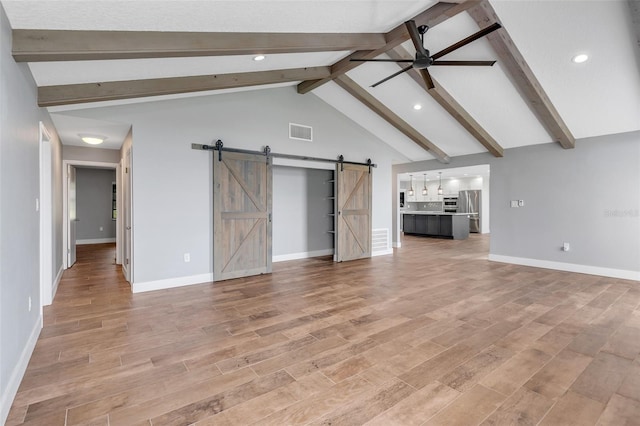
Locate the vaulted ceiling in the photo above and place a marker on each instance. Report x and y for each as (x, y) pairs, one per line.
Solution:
(84, 54)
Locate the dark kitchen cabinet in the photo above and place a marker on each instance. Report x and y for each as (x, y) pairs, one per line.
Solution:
(436, 225)
(409, 223)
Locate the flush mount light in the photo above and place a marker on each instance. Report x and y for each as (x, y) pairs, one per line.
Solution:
(580, 58)
(417, 107)
(92, 139)
(259, 58)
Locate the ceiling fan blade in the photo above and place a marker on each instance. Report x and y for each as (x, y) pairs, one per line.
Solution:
(392, 75)
(466, 63)
(415, 37)
(381, 60)
(483, 32)
(427, 78)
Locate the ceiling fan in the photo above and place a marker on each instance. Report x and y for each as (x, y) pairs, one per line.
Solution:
(424, 59)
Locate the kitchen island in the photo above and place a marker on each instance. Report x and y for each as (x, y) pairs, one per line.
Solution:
(436, 224)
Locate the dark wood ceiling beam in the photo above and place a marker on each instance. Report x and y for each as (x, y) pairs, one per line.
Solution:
(522, 76)
(433, 16)
(450, 105)
(115, 90)
(379, 108)
(61, 45)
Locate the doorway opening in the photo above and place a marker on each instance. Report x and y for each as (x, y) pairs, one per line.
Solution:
(90, 207)
(447, 193)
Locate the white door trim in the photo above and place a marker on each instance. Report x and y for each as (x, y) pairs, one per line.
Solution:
(65, 199)
(47, 289)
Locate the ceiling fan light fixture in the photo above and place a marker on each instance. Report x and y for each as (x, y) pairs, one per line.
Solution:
(580, 58)
(92, 139)
(259, 58)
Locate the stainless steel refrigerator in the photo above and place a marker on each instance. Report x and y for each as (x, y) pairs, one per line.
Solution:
(470, 202)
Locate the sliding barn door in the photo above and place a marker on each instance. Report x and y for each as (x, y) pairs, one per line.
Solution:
(241, 215)
(353, 198)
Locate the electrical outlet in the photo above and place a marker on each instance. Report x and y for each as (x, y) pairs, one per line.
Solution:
(566, 247)
(520, 203)
(29, 303)
(187, 257)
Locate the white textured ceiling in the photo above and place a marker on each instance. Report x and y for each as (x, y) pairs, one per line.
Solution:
(599, 97)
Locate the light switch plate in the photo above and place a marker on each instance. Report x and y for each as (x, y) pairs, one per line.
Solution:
(514, 203)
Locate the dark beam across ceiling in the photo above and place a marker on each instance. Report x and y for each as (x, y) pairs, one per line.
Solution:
(392, 118)
(522, 76)
(62, 45)
(115, 90)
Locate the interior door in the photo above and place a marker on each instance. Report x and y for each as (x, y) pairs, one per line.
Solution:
(241, 215)
(127, 198)
(353, 196)
(71, 209)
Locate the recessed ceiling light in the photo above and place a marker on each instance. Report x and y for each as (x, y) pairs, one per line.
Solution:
(578, 59)
(417, 107)
(92, 139)
(259, 57)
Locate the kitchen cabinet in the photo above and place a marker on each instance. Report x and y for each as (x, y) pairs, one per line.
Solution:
(451, 225)
(409, 223)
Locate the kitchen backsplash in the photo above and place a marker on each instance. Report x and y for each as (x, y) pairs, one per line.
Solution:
(427, 206)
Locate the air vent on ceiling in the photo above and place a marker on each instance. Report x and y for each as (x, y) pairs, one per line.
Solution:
(300, 132)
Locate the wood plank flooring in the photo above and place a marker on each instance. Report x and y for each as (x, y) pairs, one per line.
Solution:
(432, 335)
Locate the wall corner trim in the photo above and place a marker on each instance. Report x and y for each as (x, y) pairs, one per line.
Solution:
(17, 374)
(56, 283)
(171, 283)
(568, 267)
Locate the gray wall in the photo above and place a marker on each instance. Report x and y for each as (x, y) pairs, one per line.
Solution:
(19, 220)
(301, 210)
(588, 196)
(94, 195)
(172, 182)
(82, 153)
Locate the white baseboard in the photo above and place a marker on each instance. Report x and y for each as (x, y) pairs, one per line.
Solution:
(18, 372)
(302, 255)
(397, 244)
(95, 241)
(171, 283)
(568, 267)
(382, 252)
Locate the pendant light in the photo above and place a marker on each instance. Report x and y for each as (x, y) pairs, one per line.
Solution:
(411, 188)
(440, 184)
(424, 189)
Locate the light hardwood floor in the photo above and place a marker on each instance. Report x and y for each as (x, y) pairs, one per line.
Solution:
(434, 334)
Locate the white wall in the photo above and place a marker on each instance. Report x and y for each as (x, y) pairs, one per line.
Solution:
(588, 196)
(19, 220)
(172, 183)
(93, 203)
